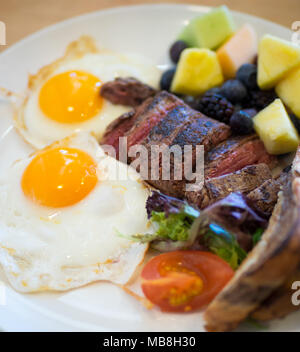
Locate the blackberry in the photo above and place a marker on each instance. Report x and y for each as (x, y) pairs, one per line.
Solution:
(216, 107)
(259, 99)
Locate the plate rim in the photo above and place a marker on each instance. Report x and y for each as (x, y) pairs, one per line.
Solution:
(109, 10)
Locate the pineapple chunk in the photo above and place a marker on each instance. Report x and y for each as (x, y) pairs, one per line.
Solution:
(289, 91)
(197, 71)
(275, 129)
(276, 58)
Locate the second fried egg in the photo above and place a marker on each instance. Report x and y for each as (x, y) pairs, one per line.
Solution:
(64, 97)
(63, 210)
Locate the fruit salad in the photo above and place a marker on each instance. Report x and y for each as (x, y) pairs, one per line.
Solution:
(226, 73)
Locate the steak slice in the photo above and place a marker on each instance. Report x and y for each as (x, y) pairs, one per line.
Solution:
(181, 126)
(120, 126)
(244, 181)
(117, 129)
(151, 113)
(236, 153)
(267, 267)
(265, 196)
(126, 91)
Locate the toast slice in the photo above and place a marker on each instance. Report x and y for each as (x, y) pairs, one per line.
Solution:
(279, 303)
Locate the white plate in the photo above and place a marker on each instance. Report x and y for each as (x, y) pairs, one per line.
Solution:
(149, 30)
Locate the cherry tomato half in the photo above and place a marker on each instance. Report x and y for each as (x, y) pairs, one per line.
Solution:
(184, 281)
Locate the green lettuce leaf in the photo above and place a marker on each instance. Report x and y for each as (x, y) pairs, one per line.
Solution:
(257, 236)
(223, 244)
(174, 227)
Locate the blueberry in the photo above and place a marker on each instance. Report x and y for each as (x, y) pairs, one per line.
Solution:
(234, 91)
(251, 112)
(241, 123)
(166, 79)
(296, 122)
(247, 74)
(176, 49)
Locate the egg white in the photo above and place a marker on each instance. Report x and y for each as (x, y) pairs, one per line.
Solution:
(39, 130)
(58, 249)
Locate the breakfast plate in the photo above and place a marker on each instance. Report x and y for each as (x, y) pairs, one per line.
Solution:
(146, 30)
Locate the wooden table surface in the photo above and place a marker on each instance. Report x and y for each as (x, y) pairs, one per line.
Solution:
(23, 17)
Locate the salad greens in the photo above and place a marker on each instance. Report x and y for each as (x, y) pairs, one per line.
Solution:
(224, 244)
(178, 225)
(257, 236)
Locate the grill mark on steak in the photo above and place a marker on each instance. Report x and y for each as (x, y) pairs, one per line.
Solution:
(236, 153)
(202, 130)
(153, 112)
(265, 196)
(244, 181)
(126, 91)
(169, 126)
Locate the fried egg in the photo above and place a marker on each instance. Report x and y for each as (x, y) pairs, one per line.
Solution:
(64, 97)
(63, 212)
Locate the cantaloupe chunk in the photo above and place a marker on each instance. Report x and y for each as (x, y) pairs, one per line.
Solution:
(288, 90)
(209, 30)
(241, 48)
(197, 71)
(276, 58)
(275, 129)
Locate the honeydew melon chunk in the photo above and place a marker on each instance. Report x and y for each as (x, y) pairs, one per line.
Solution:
(288, 90)
(209, 30)
(187, 35)
(197, 71)
(276, 58)
(241, 48)
(275, 129)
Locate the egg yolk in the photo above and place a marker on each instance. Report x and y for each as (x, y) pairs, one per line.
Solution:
(71, 97)
(59, 177)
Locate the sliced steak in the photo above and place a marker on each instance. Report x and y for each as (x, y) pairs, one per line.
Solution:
(268, 265)
(126, 91)
(181, 126)
(244, 181)
(236, 153)
(265, 196)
